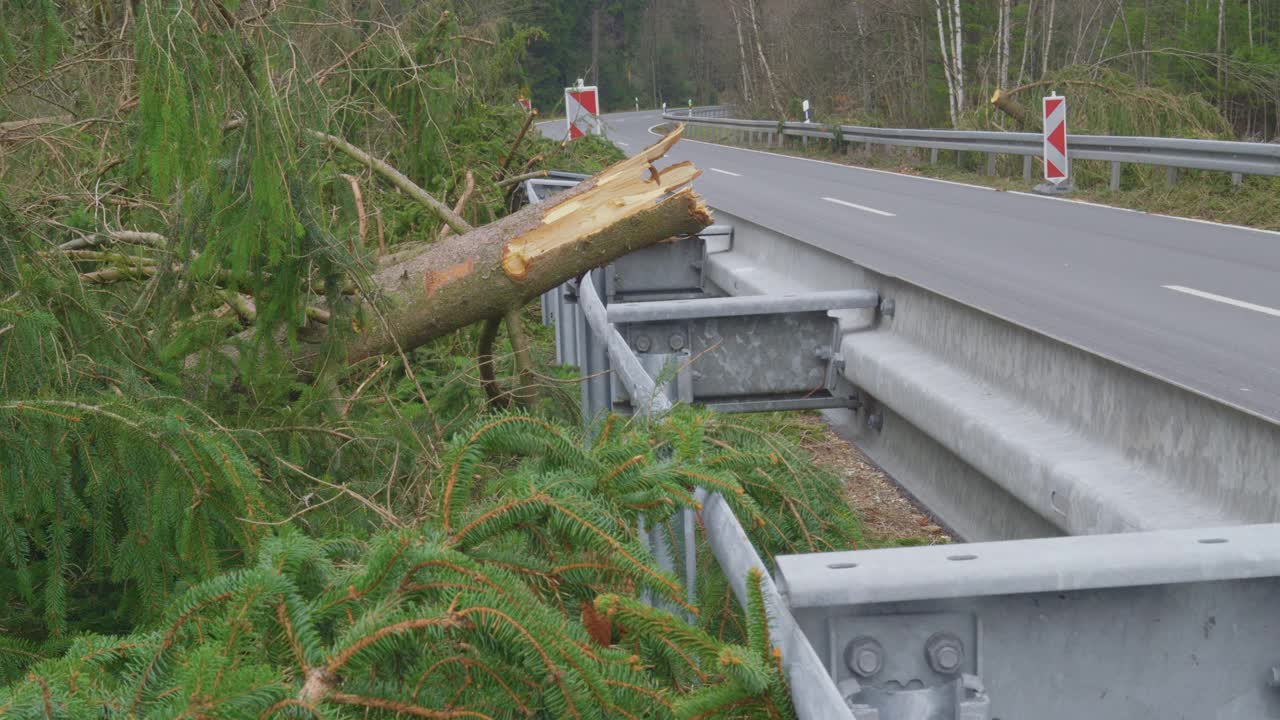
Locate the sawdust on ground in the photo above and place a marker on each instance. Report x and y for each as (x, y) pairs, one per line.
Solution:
(889, 516)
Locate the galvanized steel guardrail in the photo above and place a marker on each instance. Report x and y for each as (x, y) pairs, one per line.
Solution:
(1237, 158)
(1165, 606)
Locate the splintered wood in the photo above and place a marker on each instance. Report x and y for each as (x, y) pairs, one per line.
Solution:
(617, 194)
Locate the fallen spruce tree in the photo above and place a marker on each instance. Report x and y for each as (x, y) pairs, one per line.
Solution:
(337, 523)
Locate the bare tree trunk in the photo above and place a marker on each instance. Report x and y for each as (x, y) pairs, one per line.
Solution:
(1249, 8)
(1222, 58)
(1002, 65)
(957, 53)
(595, 46)
(1026, 40)
(946, 64)
(742, 54)
(864, 74)
(484, 273)
(1048, 38)
(764, 62)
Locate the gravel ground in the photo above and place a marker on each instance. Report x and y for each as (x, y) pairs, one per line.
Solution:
(889, 516)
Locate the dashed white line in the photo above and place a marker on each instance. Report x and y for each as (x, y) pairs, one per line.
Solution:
(1225, 300)
(725, 172)
(863, 208)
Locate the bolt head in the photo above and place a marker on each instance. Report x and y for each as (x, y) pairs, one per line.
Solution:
(676, 341)
(643, 343)
(945, 653)
(864, 657)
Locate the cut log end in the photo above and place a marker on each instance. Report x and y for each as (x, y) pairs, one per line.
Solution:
(622, 192)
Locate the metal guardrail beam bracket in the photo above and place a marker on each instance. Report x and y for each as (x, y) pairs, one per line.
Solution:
(1162, 624)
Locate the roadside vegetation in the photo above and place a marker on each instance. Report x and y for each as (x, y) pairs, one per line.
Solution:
(197, 519)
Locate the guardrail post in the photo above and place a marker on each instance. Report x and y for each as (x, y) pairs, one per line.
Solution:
(1237, 179)
(991, 164)
(1171, 175)
(933, 156)
(594, 364)
(1026, 168)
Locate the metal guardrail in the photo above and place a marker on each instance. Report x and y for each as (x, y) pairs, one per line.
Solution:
(1163, 605)
(1237, 158)
(587, 337)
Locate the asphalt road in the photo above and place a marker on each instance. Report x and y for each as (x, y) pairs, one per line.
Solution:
(1194, 303)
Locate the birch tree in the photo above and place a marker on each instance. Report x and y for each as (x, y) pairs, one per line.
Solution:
(949, 32)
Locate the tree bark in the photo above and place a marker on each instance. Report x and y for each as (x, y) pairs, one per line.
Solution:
(742, 54)
(947, 68)
(1005, 103)
(764, 62)
(486, 272)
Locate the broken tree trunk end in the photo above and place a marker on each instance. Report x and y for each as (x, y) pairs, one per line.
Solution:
(486, 272)
(1005, 103)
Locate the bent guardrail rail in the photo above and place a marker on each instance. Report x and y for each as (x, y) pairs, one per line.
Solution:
(1237, 158)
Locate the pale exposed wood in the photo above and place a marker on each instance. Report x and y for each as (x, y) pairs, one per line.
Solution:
(1004, 102)
(363, 220)
(11, 126)
(508, 182)
(468, 187)
(130, 237)
(618, 193)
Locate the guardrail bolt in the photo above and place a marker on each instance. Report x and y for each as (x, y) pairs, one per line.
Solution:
(676, 341)
(864, 656)
(643, 343)
(945, 653)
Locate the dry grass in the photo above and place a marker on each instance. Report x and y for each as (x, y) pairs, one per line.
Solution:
(888, 516)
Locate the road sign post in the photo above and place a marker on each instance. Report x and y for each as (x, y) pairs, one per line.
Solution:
(807, 116)
(582, 110)
(1057, 167)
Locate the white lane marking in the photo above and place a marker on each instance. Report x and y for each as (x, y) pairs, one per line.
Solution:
(619, 142)
(725, 172)
(1144, 212)
(863, 208)
(1225, 300)
(828, 162)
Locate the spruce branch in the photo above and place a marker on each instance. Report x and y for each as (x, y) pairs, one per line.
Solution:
(395, 177)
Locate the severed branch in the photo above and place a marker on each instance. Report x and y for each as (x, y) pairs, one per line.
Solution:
(395, 177)
(515, 179)
(524, 130)
(525, 389)
(484, 360)
(468, 187)
(130, 237)
(363, 227)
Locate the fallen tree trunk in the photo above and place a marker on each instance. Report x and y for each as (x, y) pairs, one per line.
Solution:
(488, 271)
(1004, 102)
